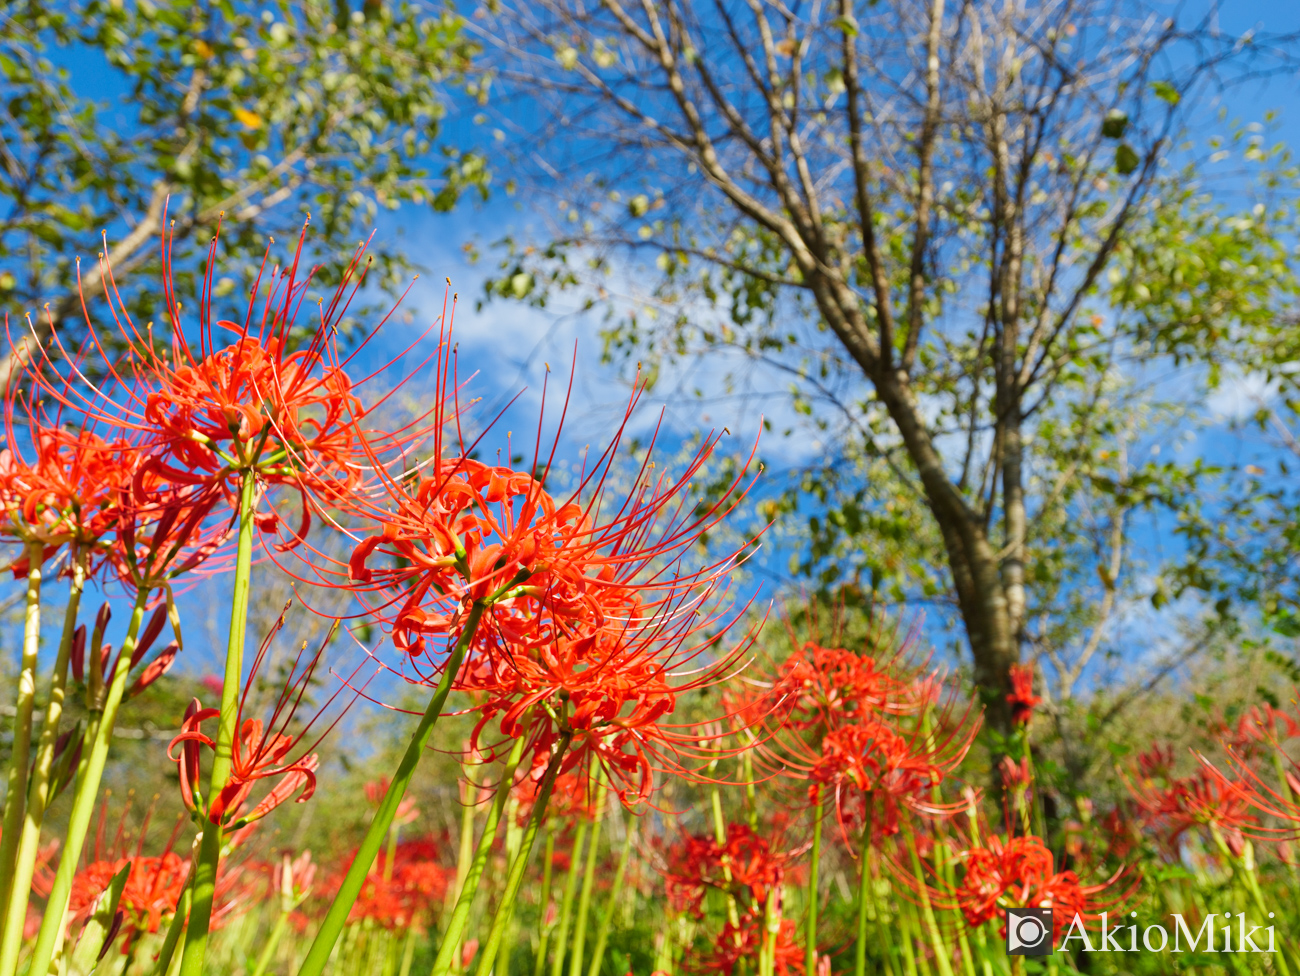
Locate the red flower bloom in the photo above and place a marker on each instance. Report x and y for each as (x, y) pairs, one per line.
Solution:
(243, 398)
(1206, 800)
(1018, 873)
(1022, 698)
(745, 942)
(261, 750)
(410, 890)
(744, 865)
(591, 625)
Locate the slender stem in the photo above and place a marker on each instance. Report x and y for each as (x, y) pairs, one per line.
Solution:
(864, 894)
(520, 863)
(465, 857)
(589, 879)
(810, 934)
(38, 791)
(451, 939)
(408, 952)
(20, 757)
(720, 836)
(94, 754)
(544, 934)
(941, 952)
(272, 943)
(174, 932)
(319, 953)
(607, 920)
(566, 902)
(205, 868)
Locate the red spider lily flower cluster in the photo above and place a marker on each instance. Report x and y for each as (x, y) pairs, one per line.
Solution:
(1206, 800)
(152, 889)
(742, 944)
(747, 867)
(1019, 873)
(874, 738)
(153, 885)
(592, 625)
(241, 397)
(409, 891)
(1156, 762)
(1022, 699)
(262, 750)
(1261, 728)
(744, 865)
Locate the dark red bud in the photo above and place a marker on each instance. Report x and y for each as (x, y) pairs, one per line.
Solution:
(151, 631)
(79, 654)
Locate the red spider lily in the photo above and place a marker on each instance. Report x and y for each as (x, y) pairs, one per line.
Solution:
(827, 687)
(261, 750)
(63, 487)
(1263, 725)
(467, 531)
(742, 944)
(1156, 762)
(241, 398)
(152, 888)
(1022, 699)
(609, 688)
(1207, 800)
(410, 890)
(886, 757)
(744, 865)
(163, 533)
(1019, 873)
(64, 494)
(1016, 776)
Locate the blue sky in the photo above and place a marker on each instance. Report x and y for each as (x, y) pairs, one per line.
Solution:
(509, 345)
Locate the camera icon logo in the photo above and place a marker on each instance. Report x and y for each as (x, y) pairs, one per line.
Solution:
(1029, 931)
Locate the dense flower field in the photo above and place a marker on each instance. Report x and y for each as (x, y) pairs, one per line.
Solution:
(654, 775)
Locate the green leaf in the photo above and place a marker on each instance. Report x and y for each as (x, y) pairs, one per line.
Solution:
(847, 25)
(1126, 160)
(1113, 126)
(1166, 92)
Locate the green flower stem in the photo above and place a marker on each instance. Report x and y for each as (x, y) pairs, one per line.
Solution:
(814, 862)
(408, 952)
(520, 863)
(864, 897)
(465, 856)
(771, 928)
(910, 967)
(589, 878)
(174, 932)
(38, 791)
(205, 868)
(607, 920)
(272, 943)
(20, 757)
(335, 919)
(566, 902)
(720, 836)
(94, 754)
(544, 933)
(941, 953)
(451, 939)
